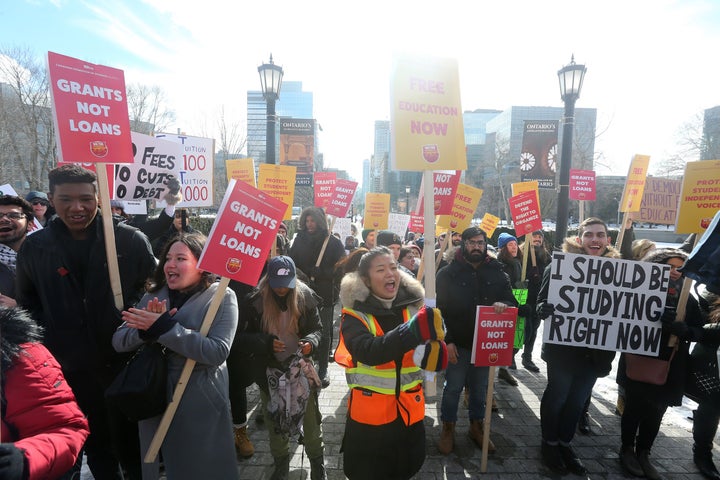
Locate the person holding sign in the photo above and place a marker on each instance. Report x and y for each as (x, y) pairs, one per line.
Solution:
(471, 278)
(646, 403)
(315, 252)
(511, 258)
(387, 335)
(63, 280)
(171, 314)
(571, 370)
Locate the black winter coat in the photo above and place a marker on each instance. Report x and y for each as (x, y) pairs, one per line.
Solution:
(305, 251)
(80, 318)
(258, 345)
(461, 288)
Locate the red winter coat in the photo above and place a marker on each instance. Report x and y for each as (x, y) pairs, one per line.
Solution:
(41, 417)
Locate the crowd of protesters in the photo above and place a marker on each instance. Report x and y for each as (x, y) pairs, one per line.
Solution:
(61, 321)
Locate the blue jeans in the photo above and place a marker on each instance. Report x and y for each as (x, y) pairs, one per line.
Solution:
(568, 388)
(457, 376)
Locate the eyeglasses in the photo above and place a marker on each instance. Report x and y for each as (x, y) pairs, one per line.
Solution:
(12, 215)
(39, 202)
(474, 243)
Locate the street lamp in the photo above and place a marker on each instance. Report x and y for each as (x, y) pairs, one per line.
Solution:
(407, 199)
(270, 80)
(571, 79)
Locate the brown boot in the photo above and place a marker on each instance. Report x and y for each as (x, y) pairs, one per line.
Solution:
(476, 435)
(243, 446)
(447, 438)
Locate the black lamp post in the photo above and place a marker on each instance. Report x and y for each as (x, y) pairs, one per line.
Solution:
(571, 79)
(407, 199)
(270, 80)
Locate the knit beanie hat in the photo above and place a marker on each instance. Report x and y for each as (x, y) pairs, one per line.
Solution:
(387, 238)
(365, 233)
(504, 239)
(431, 356)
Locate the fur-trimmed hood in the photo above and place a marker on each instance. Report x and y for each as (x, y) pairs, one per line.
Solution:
(353, 289)
(571, 245)
(17, 327)
(662, 255)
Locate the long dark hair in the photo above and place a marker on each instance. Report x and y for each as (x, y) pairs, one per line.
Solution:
(195, 241)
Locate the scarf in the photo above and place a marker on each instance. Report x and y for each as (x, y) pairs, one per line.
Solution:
(8, 257)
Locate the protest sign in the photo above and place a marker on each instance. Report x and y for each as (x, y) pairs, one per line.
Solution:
(279, 182)
(7, 191)
(635, 184)
(242, 169)
(342, 197)
(426, 115)
(196, 170)
(606, 303)
(659, 201)
(324, 188)
(90, 111)
(464, 205)
(445, 185)
(489, 223)
(377, 210)
(398, 223)
(582, 184)
(538, 159)
(243, 233)
(700, 197)
(156, 162)
(417, 223)
(341, 226)
(520, 295)
(525, 211)
(494, 334)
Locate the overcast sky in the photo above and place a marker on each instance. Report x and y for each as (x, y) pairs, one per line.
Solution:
(651, 64)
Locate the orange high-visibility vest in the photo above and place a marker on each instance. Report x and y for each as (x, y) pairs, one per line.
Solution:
(373, 396)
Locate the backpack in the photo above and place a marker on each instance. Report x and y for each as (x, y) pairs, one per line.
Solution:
(290, 389)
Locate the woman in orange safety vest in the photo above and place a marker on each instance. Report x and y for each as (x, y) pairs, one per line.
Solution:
(386, 336)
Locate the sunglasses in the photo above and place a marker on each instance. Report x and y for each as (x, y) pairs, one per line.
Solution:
(40, 202)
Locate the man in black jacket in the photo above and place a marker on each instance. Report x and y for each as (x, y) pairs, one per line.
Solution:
(63, 280)
(305, 252)
(472, 278)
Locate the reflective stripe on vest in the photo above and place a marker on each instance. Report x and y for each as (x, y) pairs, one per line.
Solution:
(381, 378)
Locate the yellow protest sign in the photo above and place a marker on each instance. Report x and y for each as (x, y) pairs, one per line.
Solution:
(426, 115)
(700, 196)
(377, 211)
(635, 184)
(489, 223)
(466, 201)
(241, 169)
(278, 181)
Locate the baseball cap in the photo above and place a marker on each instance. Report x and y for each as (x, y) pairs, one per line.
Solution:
(281, 272)
(35, 195)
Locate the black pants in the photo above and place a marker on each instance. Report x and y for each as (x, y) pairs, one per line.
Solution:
(239, 378)
(532, 323)
(323, 352)
(705, 426)
(641, 420)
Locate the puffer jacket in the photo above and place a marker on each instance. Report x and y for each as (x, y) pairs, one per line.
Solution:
(39, 412)
(461, 288)
(79, 316)
(599, 360)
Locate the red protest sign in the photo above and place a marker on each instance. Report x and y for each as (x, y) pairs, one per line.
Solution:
(324, 187)
(582, 184)
(445, 187)
(417, 223)
(494, 337)
(243, 232)
(525, 211)
(90, 111)
(341, 198)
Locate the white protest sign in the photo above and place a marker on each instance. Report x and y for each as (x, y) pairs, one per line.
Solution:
(155, 162)
(135, 207)
(8, 190)
(342, 228)
(196, 169)
(398, 223)
(606, 303)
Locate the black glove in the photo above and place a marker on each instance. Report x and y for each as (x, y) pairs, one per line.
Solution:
(12, 462)
(679, 329)
(546, 309)
(173, 185)
(524, 310)
(668, 316)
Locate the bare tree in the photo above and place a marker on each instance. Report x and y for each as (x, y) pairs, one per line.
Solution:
(230, 143)
(148, 109)
(27, 138)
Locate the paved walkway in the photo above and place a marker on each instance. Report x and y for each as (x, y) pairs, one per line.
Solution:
(515, 432)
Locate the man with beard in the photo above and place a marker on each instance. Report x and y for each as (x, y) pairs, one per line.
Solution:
(471, 278)
(305, 251)
(15, 217)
